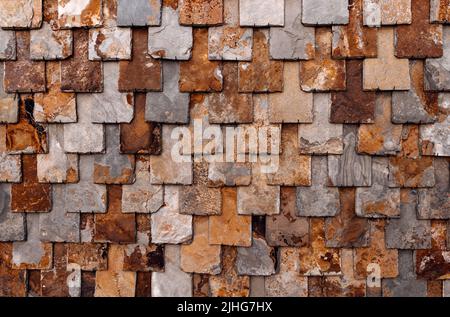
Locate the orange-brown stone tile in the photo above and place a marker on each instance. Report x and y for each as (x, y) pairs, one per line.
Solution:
(440, 11)
(261, 74)
(420, 39)
(140, 136)
(30, 196)
(200, 285)
(88, 256)
(199, 74)
(142, 73)
(78, 73)
(13, 282)
(143, 284)
(24, 75)
(323, 73)
(354, 40)
(201, 12)
(115, 226)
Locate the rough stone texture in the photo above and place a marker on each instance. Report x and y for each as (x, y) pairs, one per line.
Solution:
(113, 167)
(54, 106)
(168, 225)
(138, 12)
(320, 136)
(78, 73)
(378, 200)
(318, 200)
(324, 12)
(198, 198)
(434, 137)
(408, 169)
(408, 232)
(292, 105)
(84, 136)
(142, 73)
(21, 14)
(24, 75)
(229, 174)
(259, 259)
(286, 282)
(386, 12)
(317, 259)
(75, 13)
(115, 282)
(201, 12)
(354, 40)
(420, 39)
(115, 226)
(141, 196)
(7, 45)
(229, 41)
(8, 103)
(386, 72)
(110, 43)
(170, 40)
(353, 105)
(10, 168)
(434, 203)
(230, 228)
(287, 229)
(229, 283)
(173, 282)
(85, 196)
(434, 263)
(350, 169)
(165, 171)
(406, 284)
(170, 105)
(261, 74)
(293, 41)
(377, 253)
(415, 105)
(439, 11)
(437, 71)
(30, 196)
(56, 166)
(346, 230)
(382, 137)
(32, 254)
(88, 256)
(261, 13)
(200, 256)
(140, 136)
(323, 73)
(14, 281)
(199, 74)
(12, 225)
(47, 44)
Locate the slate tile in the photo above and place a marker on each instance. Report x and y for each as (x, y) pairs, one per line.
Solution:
(324, 12)
(12, 225)
(353, 105)
(261, 13)
(7, 45)
(78, 73)
(10, 165)
(229, 174)
(322, 73)
(143, 284)
(320, 136)
(73, 14)
(110, 43)
(115, 226)
(439, 11)
(138, 12)
(292, 105)
(434, 137)
(201, 12)
(437, 73)
(141, 196)
(21, 14)
(293, 41)
(30, 196)
(257, 260)
(87, 284)
(354, 40)
(200, 285)
(318, 200)
(170, 40)
(24, 75)
(261, 74)
(49, 44)
(386, 12)
(173, 282)
(199, 256)
(88, 256)
(142, 73)
(9, 109)
(386, 72)
(14, 282)
(420, 39)
(229, 41)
